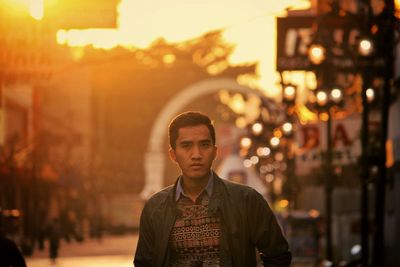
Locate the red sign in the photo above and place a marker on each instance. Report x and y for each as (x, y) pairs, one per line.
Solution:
(312, 140)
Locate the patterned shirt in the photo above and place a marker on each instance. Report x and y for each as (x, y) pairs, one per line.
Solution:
(195, 236)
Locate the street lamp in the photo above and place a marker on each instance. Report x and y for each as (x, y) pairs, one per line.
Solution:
(257, 128)
(370, 94)
(365, 47)
(327, 65)
(316, 54)
(324, 103)
(287, 128)
(245, 142)
(351, 47)
(289, 93)
(336, 95)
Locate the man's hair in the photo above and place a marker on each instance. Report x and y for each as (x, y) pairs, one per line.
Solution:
(187, 119)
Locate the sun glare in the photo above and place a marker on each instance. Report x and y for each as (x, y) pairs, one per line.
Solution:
(36, 8)
(249, 25)
(140, 22)
(99, 38)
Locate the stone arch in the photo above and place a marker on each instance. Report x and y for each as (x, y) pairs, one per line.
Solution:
(155, 157)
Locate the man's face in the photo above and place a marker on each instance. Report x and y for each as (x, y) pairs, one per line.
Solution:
(194, 152)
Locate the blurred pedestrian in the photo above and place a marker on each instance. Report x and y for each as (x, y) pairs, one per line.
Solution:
(10, 255)
(203, 220)
(54, 233)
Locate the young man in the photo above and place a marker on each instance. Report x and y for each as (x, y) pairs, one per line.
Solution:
(203, 220)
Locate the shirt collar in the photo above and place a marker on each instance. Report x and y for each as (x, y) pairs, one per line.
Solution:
(209, 187)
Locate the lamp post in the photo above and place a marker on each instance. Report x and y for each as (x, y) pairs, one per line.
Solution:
(323, 104)
(361, 49)
(326, 101)
(388, 39)
(289, 96)
(365, 48)
(352, 46)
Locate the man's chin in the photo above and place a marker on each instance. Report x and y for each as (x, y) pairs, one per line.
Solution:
(197, 175)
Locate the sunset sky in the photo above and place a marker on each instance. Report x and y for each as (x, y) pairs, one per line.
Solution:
(250, 25)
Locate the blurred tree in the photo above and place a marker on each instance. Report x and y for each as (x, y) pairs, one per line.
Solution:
(131, 86)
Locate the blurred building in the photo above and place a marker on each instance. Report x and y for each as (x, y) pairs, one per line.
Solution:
(45, 113)
(297, 32)
(25, 62)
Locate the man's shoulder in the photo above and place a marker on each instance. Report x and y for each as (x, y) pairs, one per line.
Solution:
(237, 188)
(6, 243)
(161, 195)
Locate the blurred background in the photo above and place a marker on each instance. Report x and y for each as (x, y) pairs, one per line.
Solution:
(303, 94)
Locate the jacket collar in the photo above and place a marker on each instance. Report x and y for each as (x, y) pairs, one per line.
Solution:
(209, 187)
(218, 191)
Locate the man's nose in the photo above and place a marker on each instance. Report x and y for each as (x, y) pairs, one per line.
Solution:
(196, 152)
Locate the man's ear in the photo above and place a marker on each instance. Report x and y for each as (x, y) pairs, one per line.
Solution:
(172, 154)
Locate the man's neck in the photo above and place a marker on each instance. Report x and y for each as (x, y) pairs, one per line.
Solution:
(193, 188)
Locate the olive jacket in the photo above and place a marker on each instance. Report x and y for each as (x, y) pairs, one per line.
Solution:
(247, 224)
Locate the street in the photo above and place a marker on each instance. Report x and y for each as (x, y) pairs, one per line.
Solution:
(88, 261)
(109, 251)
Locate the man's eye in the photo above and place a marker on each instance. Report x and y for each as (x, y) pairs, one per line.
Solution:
(206, 145)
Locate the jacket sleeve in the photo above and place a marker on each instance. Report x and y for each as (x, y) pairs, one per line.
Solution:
(16, 255)
(144, 250)
(266, 233)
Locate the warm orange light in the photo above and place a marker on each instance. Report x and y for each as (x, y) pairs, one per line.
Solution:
(336, 95)
(139, 25)
(316, 54)
(322, 98)
(324, 116)
(397, 8)
(284, 203)
(287, 127)
(277, 133)
(169, 59)
(279, 156)
(254, 160)
(241, 122)
(370, 95)
(238, 104)
(263, 151)
(247, 163)
(314, 213)
(305, 115)
(257, 128)
(215, 69)
(36, 9)
(245, 142)
(100, 38)
(365, 47)
(269, 178)
(224, 97)
(289, 92)
(11, 213)
(62, 37)
(274, 141)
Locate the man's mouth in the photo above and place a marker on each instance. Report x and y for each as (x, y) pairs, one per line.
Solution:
(196, 165)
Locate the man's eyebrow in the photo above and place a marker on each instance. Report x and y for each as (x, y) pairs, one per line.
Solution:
(185, 142)
(200, 141)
